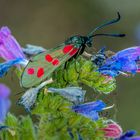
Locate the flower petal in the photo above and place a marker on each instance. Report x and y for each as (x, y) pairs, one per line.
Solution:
(4, 91)
(90, 110)
(73, 94)
(28, 99)
(96, 106)
(128, 136)
(112, 131)
(9, 47)
(4, 67)
(124, 61)
(4, 102)
(33, 50)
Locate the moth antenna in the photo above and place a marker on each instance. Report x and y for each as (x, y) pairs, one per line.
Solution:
(105, 24)
(109, 35)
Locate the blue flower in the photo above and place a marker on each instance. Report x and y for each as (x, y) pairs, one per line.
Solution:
(129, 135)
(29, 97)
(90, 110)
(31, 50)
(73, 94)
(4, 67)
(3, 127)
(4, 102)
(123, 62)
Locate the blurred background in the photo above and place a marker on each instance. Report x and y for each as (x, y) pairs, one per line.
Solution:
(49, 22)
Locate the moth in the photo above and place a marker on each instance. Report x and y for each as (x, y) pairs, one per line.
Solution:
(41, 66)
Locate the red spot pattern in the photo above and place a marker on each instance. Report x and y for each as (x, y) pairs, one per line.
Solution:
(40, 72)
(73, 52)
(30, 71)
(67, 49)
(55, 62)
(48, 58)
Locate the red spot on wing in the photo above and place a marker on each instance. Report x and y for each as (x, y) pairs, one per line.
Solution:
(73, 52)
(40, 72)
(48, 58)
(30, 71)
(67, 49)
(55, 62)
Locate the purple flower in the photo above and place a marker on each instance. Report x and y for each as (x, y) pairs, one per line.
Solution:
(129, 135)
(9, 47)
(90, 110)
(10, 51)
(4, 102)
(124, 61)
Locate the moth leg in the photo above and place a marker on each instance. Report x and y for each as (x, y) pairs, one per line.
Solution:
(77, 55)
(65, 70)
(75, 65)
(77, 69)
(65, 65)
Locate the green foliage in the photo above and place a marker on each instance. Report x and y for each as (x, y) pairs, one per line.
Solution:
(18, 129)
(12, 133)
(83, 71)
(27, 129)
(57, 119)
